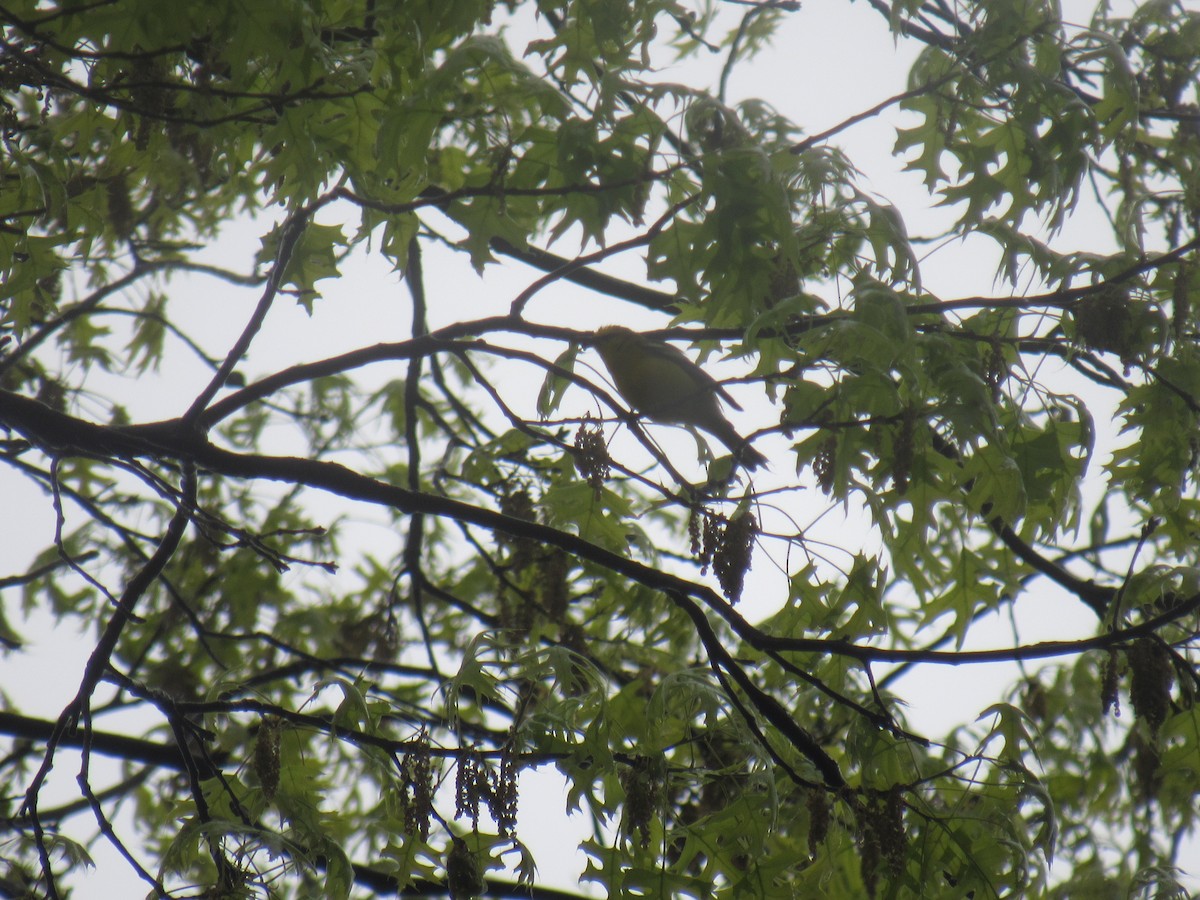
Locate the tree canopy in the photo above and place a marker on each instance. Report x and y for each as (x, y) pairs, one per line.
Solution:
(332, 516)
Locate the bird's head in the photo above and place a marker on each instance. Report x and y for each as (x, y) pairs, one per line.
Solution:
(614, 334)
(615, 342)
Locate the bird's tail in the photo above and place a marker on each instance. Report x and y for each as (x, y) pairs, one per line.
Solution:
(751, 458)
(739, 446)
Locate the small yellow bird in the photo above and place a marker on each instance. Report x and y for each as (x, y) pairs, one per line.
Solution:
(663, 384)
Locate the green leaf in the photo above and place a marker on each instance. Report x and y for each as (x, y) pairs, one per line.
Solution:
(554, 386)
(314, 256)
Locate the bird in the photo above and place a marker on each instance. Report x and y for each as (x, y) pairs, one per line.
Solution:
(662, 383)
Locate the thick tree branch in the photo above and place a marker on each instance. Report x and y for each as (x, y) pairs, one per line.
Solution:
(57, 430)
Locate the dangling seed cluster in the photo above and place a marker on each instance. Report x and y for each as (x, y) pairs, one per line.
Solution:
(591, 455)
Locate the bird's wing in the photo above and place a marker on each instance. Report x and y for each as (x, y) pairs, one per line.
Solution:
(681, 359)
